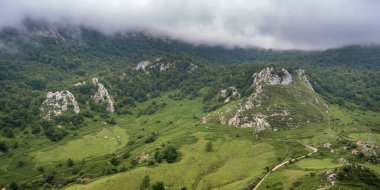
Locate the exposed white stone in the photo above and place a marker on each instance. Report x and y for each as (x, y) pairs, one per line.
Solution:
(234, 121)
(58, 102)
(204, 120)
(80, 83)
(123, 76)
(331, 177)
(261, 123)
(193, 67)
(58, 38)
(102, 96)
(162, 66)
(222, 120)
(269, 76)
(142, 65)
(224, 93)
(341, 160)
(281, 113)
(304, 79)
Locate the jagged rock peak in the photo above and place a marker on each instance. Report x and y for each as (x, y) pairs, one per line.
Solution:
(58, 102)
(273, 76)
(102, 96)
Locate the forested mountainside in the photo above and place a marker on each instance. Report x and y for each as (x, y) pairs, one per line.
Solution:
(56, 82)
(59, 56)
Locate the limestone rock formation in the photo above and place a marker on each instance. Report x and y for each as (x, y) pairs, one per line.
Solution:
(304, 78)
(270, 76)
(277, 98)
(162, 65)
(229, 93)
(58, 102)
(80, 83)
(267, 76)
(102, 96)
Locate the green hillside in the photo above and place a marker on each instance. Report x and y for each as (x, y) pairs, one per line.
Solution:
(84, 110)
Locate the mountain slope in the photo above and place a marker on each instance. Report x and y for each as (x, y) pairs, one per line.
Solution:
(280, 100)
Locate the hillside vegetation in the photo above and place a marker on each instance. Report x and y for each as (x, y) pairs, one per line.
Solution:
(83, 110)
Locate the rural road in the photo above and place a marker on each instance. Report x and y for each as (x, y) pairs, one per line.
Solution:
(283, 163)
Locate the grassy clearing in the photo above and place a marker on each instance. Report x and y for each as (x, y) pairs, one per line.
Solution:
(106, 141)
(315, 164)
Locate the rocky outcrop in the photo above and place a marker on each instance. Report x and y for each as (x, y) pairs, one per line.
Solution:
(58, 102)
(51, 35)
(161, 65)
(279, 98)
(304, 79)
(102, 96)
(267, 76)
(80, 83)
(142, 65)
(261, 123)
(229, 93)
(272, 77)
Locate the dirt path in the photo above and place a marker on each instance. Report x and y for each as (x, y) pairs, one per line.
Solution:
(283, 163)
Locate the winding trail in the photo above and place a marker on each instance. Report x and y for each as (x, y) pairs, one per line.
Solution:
(283, 163)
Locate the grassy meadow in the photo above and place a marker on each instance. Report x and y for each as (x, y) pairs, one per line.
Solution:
(236, 160)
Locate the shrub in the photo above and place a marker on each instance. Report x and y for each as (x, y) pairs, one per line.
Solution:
(41, 169)
(3, 147)
(159, 186)
(20, 164)
(145, 183)
(134, 162)
(158, 157)
(208, 146)
(126, 155)
(152, 137)
(170, 154)
(70, 162)
(114, 161)
(13, 186)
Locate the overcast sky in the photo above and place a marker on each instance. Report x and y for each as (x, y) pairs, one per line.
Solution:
(278, 24)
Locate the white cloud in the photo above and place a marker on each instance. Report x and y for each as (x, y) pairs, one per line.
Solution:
(282, 24)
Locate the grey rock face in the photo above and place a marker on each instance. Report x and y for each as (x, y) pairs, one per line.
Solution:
(58, 102)
(102, 96)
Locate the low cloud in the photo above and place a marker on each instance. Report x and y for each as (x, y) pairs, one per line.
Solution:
(277, 24)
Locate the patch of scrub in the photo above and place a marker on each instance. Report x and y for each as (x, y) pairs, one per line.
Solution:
(106, 141)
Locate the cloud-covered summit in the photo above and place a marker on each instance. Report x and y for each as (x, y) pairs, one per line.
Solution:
(277, 24)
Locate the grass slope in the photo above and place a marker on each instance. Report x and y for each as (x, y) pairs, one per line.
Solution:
(106, 141)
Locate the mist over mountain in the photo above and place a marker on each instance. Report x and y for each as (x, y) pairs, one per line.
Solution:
(271, 24)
